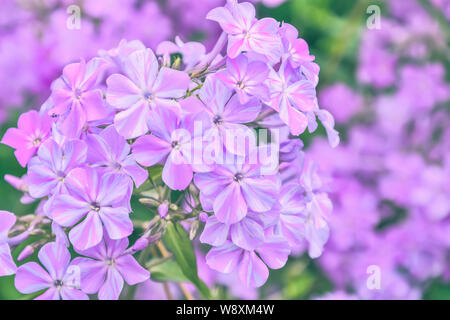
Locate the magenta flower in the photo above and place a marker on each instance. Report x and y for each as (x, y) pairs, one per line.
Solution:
(7, 265)
(296, 49)
(234, 189)
(101, 199)
(48, 171)
(107, 266)
(227, 114)
(251, 268)
(172, 142)
(247, 79)
(245, 32)
(291, 97)
(76, 98)
(58, 278)
(110, 150)
(32, 129)
(144, 87)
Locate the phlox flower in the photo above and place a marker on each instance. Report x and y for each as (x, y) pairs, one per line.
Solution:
(58, 279)
(144, 87)
(227, 114)
(245, 32)
(101, 199)
(7, 265)
(173, 142)
(232, 189)
(251, 265)
(294, 99)
(75, 96)
(110, 150)
(297, 49)
(246, 78)
(105, 267)
(32, 130)
(48, 171)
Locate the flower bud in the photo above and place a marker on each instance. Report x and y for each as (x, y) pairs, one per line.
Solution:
(163, 208)
(149, 202)
(194, 229)
(203, 216)
(140, 244)
(26, 252)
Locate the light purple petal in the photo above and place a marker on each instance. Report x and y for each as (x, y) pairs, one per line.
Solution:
(132, 122)
(252, 271)
(229, 205)
(66, 210)
(224, 258)
(177, 173)
(149, 150)
(72, 294)
(117, 222)
(7, 265)
(55, 257)
(93, 274)
(31, 277)
(260, 194)
(112, 287)
(247, 234)
(274, 252)
(130, 270)
(215, 232)
(88, 233)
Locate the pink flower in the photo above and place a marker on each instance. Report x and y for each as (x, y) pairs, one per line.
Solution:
(172, 142)
(293, 98)
(297, 49)
(247, 79)
(144, 87)
(48, 171)
(58, 279)
(245, 32)
(231, 190)
(32, 130)
(102, 200)
(110, 150)
(75, 97)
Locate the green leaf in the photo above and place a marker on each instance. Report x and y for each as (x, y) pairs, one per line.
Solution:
(177, 241)
(168, 271)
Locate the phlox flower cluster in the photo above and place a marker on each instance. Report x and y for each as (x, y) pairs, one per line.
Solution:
(174, 127)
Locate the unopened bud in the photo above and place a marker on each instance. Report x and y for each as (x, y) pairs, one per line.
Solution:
(163, 209)
(149, 202)
(26, 252)
(176, 64)
(194, 229)
(203, 216)
(140, 244)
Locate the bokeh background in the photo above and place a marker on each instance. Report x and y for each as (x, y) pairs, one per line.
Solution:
(385, 78)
